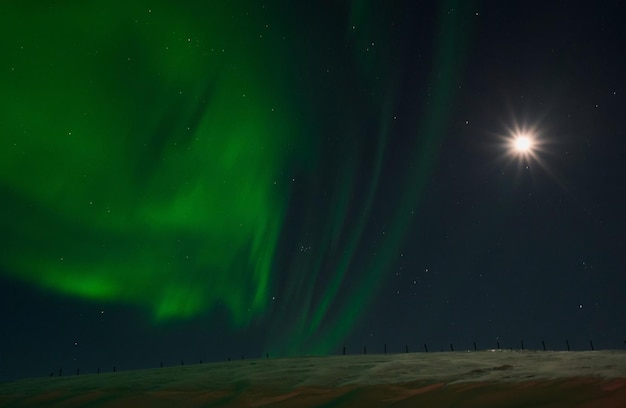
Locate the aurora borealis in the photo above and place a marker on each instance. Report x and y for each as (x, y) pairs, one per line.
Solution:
(161, 151)
(166, 182)
(287, 170)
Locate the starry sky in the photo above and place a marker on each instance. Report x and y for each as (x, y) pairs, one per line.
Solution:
(199, 180)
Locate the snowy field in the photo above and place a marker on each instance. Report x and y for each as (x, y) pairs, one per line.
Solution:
(455, 379)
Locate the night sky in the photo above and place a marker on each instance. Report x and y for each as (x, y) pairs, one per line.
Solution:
(199, 180)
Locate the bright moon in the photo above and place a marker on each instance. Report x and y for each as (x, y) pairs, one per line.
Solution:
(523, 143)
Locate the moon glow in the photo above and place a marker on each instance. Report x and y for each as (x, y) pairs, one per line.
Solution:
(523, 143)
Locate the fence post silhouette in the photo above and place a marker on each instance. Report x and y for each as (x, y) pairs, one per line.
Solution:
(343, 351)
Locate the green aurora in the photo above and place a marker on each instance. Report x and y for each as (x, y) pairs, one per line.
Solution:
(152, 155)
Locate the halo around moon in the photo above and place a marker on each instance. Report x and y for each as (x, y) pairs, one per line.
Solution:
(522, 143)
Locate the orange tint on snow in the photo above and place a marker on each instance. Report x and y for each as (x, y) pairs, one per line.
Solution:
(484, 379)
(576, 392)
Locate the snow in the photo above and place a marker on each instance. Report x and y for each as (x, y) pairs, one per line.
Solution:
(455, 379)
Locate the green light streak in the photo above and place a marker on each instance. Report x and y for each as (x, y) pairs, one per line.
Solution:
(446, 71)
(335, 315)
